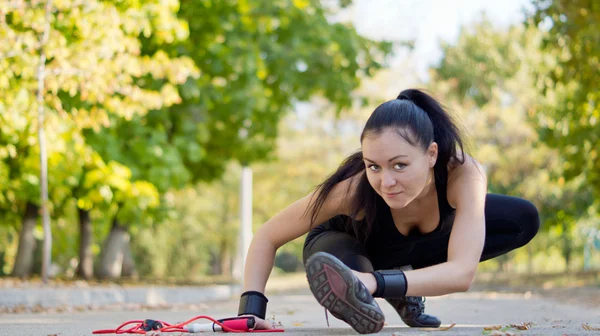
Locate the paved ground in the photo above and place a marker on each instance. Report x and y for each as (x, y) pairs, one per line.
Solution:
(301, 315)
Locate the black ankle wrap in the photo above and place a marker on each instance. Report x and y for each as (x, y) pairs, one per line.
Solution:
(390, 284)
(253, 303)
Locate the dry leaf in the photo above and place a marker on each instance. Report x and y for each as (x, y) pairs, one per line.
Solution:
(522, 326)
(440, 328)
(297, 324)
(589, 327)
(495, 327)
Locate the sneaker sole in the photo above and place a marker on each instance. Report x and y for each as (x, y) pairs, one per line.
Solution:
(414, 324)
(333, 283)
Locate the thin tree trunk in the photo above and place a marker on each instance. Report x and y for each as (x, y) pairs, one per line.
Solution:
(215, 262)
(86, 239)
(567, 246)
(129, 269)
(530, 259)
(113, 252)
(226, 258)
(24, 260)
(47, 252)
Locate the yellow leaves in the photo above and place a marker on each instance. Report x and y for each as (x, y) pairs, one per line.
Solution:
(170, 95)
(219, 81)
(146, 193)
(301, 4)
(8, 151)
(244, 7)
(261, 74)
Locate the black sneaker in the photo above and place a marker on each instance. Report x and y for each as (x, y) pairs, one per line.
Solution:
(412, 311)
(338, 290)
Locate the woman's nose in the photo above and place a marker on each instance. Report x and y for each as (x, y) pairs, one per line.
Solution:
(388, 180)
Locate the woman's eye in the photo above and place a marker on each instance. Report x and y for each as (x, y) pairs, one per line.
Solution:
(374, 167)
(399, 166)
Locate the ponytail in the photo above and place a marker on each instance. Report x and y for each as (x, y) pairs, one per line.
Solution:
(445, 132)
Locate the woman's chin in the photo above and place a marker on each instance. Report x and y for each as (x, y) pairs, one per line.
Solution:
(396, 203)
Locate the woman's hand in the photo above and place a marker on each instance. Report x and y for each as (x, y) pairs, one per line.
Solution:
(261, 324)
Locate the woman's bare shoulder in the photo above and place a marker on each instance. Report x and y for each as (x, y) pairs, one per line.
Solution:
(462, 174)
(344, 192)
(463, 163)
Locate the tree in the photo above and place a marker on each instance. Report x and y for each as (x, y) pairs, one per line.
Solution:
(570, 120)
(232, 110)
(94, 70)
(489, 75)
(258, 58)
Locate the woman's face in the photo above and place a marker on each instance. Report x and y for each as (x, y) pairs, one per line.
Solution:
(397, 170)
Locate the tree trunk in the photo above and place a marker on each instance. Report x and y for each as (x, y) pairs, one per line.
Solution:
(567, 247)
(529, 259)
(85, 269)
(113, 252)
(24, 260)
(215, 262)
(502, 263)
(129, 269)
(226, 258)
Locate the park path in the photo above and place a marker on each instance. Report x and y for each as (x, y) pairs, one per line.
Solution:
(301, 315)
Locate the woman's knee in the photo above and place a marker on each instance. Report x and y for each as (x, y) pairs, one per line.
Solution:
(341, 245)
(529, 221)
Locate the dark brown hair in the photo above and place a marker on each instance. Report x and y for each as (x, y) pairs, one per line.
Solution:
(418, 118)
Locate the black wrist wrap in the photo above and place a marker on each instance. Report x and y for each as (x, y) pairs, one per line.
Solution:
(390, 284)
(253, 303)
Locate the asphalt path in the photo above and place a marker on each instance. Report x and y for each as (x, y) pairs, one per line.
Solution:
(299, 314)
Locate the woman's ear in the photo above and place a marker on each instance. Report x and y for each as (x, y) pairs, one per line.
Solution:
(432, 153)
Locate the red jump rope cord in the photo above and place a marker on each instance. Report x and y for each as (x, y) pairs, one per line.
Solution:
(137, 329)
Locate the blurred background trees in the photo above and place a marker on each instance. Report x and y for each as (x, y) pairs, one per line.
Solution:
(152, 107)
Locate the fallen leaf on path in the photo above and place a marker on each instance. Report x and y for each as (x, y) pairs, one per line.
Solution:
(522, 326)
(589, 327)
(440, 328)
(297, 324)
(495, 327)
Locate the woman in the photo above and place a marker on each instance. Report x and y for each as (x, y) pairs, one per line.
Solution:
(411, 205)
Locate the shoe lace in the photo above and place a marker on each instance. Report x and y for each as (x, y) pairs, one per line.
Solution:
(327, 317)
(416, 304)
(422, 303)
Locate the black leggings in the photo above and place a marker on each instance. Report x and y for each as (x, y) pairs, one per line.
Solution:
(510, 223)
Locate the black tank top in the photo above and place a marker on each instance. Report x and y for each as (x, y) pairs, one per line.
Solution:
(385, 241)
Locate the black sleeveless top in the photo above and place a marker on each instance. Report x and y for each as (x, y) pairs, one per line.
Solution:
(384, 243)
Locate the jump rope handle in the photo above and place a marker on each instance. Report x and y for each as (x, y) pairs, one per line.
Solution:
(244, 324)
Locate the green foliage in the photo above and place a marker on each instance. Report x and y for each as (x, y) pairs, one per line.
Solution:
(146, 97)
(257, 59)
(492, 74)
(94, 69)
(570, 120)
(489, 73)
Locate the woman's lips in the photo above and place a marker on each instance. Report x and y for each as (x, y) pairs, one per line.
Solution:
(392, 195)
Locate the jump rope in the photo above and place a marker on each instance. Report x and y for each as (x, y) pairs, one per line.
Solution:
(234, 324)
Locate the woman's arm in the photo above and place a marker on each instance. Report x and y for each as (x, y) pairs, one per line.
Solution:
(467, 188)
(286, 226)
